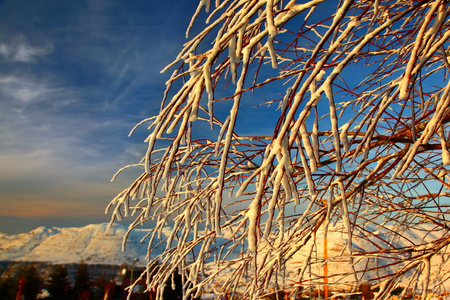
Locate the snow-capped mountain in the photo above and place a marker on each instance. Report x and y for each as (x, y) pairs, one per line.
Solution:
(101, 244)
(93, 244)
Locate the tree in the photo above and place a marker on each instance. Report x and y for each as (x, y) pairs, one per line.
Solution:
(32, 281)
(81, 285)
(326, 118)
(58, 284)
(8, 288)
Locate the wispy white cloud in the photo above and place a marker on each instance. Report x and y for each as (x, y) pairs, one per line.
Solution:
(21, 91)
(20, 50)
(73, 82)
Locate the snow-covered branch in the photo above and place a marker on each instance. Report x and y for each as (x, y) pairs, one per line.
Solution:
(350, 168)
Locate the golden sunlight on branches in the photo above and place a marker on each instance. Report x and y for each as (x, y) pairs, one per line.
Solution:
(287, 121)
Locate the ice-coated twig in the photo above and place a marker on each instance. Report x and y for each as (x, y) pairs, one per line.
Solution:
(355, 150)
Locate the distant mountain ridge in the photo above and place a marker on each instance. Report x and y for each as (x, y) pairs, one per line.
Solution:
(93, 244)
(99, 244)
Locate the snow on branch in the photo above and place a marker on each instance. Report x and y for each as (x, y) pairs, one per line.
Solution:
(342, 184)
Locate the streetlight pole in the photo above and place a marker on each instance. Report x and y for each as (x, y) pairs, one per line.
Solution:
(325, 257)
(325, 266)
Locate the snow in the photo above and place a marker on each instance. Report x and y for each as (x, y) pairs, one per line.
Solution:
(445, 157)
(233, 58)
(445, 151)
(101, 244)
(93, 244)
(252, 215)
(341, 265)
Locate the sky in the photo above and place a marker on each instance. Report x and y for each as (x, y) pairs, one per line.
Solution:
(75, 77)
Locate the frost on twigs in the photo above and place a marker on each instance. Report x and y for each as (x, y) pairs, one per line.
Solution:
(249, 198)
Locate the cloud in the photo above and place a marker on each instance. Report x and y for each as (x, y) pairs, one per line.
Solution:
(19, 50)
(75, 77)
(33, 206)
(22, 90)
(40, 184)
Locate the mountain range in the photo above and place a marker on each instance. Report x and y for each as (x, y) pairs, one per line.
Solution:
(102, 244)
(92, 244)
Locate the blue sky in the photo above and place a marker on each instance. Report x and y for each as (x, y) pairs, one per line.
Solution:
(75, 77)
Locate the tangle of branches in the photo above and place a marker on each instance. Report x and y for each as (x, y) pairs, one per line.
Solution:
(289, 124)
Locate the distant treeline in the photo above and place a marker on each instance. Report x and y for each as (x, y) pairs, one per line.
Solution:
(106, 271)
